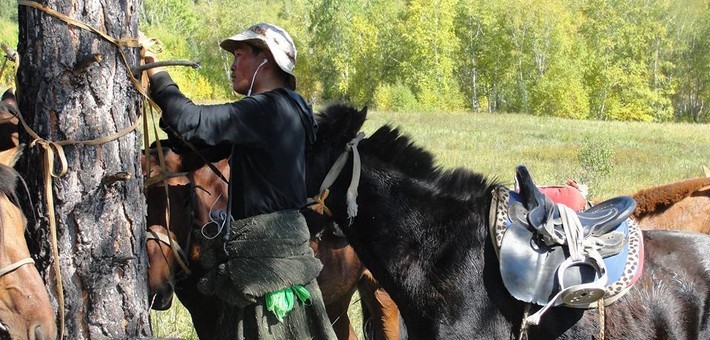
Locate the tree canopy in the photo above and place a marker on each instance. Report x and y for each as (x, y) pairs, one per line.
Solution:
(609, 60)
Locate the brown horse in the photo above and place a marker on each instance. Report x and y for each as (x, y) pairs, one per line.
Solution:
(25, 310)
(195, 189)
(682, 205)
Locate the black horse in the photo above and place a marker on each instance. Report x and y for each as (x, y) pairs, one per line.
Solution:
(423, 232)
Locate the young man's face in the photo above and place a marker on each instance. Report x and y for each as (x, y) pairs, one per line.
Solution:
(243, 68)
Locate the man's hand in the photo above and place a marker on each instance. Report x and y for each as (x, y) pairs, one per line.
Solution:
(150, 48)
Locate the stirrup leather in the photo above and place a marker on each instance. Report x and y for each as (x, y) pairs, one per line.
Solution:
(582, 254)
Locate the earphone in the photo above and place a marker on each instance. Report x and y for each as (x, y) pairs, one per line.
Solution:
(254, 77)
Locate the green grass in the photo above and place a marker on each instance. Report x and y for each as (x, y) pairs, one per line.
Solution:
(637, 155)
(176, 323)
(612, 158)
(173, 323)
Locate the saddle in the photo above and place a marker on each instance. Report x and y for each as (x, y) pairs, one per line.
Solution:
(551, 255)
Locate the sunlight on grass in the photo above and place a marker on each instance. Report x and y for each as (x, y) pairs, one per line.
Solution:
(173, 323)
(640, 154)
(176, 322)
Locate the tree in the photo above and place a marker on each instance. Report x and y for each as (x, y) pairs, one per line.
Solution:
(74, 85)
(628, 73)
(430, 44)
(690, 29)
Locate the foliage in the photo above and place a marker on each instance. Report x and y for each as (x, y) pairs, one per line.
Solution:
(430, 44)
(596, 159)
(395, 98)
(607, 60)
(8, 36)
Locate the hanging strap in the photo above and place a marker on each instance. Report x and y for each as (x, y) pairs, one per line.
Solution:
(335, 171)
(230, 186)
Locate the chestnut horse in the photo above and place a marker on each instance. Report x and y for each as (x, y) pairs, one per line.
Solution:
(25, 309)
(194, 189)
(424, 234)
(682, 205)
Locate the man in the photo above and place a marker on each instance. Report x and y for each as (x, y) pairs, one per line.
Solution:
(268, 131)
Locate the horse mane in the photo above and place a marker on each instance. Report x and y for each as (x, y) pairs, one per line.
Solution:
(657, 198)
(337, 124)
(397, 150)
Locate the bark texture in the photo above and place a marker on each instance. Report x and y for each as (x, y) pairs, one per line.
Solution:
(73, 85)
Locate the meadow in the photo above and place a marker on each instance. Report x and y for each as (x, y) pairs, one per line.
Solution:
(611, 158)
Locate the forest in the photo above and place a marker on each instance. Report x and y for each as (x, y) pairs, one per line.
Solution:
(631, 60)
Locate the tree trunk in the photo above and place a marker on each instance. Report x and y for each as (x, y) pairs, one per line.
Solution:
(74, 85)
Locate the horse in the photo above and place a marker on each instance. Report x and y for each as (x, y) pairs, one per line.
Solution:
(193, 193)
(25, 309)
(682, 205)
(170, 245)
(423, 233)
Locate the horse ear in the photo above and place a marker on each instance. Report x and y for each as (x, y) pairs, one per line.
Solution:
(9, 95)
(706, 170)
(10, 156)
(363, 111)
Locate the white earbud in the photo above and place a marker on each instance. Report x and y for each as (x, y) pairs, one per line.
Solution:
(254, 77)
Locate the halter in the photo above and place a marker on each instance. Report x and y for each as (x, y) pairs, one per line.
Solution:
(178, 252)
(317, 203)
(11, 267)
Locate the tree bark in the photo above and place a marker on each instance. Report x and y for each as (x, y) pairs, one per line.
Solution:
(73, 85)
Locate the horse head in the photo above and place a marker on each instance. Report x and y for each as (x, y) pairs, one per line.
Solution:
(338, 124)
(168, 219)
(192, 191)
(25, 309)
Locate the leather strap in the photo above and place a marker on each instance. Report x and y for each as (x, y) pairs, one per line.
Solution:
(9, 268)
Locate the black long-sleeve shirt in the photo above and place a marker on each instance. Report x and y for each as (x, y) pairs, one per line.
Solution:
(269, 134)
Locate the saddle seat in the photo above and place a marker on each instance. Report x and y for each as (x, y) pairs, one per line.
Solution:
(549, 255)
(536, 209)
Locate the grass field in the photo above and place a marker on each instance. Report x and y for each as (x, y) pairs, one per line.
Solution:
(612, 158)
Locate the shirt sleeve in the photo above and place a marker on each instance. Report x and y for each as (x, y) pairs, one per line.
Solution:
(244, 122)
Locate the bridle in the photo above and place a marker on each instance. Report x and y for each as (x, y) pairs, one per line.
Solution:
(178, 252)
(317, 203)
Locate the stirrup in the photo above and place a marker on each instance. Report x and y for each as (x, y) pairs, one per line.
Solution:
(579, 295)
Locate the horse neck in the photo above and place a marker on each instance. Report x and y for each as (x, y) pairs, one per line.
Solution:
(12, 240)
(651, 200)
(404, 230)
(211, 190)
